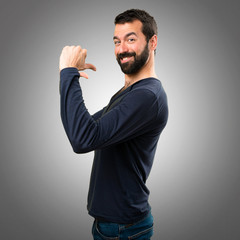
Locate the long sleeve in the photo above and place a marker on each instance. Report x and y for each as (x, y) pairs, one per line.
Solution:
(124, 121)
(98, 114)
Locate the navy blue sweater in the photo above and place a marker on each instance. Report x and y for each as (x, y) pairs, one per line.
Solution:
(124, 136)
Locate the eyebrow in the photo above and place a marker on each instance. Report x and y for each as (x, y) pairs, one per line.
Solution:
(127, 35)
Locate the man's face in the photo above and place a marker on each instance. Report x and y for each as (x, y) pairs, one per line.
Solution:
(131, 48)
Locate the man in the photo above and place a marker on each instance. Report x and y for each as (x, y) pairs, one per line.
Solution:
(124, 134)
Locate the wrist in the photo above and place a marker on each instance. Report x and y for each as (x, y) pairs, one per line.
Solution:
(68, 68)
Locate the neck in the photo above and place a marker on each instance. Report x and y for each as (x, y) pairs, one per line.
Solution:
(147, 71)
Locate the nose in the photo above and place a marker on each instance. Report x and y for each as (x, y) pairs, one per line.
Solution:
(123, 48)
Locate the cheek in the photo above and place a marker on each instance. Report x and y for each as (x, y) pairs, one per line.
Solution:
(116, 50)
(135, 48)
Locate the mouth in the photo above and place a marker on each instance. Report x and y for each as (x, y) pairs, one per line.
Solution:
(126, 59)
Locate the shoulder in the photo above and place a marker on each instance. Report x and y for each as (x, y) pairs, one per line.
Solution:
(143, 94)
(152, 95)
(151, 87)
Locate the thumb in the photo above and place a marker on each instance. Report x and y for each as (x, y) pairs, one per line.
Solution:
(83, 74)
(90, 66)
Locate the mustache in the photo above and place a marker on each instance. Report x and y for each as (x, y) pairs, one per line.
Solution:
(127, 54)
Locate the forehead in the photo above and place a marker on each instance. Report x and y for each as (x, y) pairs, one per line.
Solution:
(122, 29)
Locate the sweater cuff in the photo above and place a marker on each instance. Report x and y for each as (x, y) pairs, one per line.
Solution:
(69, 70)
(66, 74)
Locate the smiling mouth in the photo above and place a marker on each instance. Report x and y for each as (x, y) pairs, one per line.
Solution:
(126, 59)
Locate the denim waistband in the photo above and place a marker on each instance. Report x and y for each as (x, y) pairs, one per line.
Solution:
(103, 220)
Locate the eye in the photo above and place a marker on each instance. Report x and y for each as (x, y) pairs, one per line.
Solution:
(131, 40)
(116, 43)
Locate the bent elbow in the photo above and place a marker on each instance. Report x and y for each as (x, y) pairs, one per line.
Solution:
(78, 148)
(83, 142)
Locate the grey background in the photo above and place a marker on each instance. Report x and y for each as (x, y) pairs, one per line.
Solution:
(194, 182)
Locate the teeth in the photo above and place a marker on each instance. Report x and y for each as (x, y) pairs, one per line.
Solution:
(125, 58)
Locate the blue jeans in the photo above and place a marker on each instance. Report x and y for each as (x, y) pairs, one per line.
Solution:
(141, 230)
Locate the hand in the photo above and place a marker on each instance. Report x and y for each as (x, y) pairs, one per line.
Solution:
(74, 56)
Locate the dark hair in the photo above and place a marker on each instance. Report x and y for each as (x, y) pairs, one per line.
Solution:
(149, 25)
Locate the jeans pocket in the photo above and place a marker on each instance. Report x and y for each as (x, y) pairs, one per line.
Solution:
(105, 231)
(143, 235)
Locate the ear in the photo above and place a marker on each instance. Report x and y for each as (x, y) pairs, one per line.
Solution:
(153, 42)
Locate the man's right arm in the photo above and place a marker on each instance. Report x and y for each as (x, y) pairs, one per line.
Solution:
(87, 133)
(124, 121)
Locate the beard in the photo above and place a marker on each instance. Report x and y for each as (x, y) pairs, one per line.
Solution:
(133, 67)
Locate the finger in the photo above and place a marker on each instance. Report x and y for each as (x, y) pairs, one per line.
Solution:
(90, 66)
(83, 74)
(83, 52)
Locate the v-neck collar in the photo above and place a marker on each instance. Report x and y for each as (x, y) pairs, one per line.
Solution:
(121, 92)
